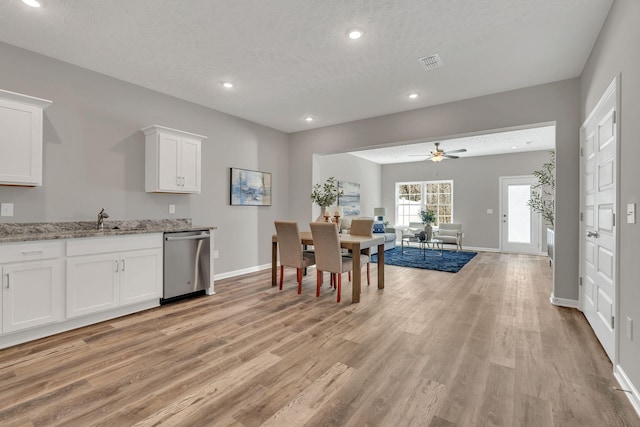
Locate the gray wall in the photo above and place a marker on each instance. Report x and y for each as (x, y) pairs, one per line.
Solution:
(94, 157)
(475, 189)
(554, 102)
(616, 55)
(346, 167)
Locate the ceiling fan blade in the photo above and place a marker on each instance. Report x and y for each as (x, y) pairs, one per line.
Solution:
(447, 156)
(462, 150)
(418, 155)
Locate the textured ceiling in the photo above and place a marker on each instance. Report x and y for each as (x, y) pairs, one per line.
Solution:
(508, 141)
(291, 58)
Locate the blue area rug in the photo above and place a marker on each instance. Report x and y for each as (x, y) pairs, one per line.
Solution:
(451, 262)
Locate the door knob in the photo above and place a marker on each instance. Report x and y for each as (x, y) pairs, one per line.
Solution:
(592, 234)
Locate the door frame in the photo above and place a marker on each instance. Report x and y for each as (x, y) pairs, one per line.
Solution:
(614, 87)
(501, 212)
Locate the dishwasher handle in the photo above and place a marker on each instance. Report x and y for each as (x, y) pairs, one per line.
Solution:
(192, 237)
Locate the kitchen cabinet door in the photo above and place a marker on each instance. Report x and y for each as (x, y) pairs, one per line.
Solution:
(32, 294)
(92, 284)
(21, 139)
(140, 276)
(169, 179)
(190, 165)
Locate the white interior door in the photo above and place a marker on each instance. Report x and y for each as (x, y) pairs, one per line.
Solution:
(520, 230)
(598, 145)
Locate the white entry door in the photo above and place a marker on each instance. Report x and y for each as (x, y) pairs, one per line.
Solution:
(520, 231)
(598, 146)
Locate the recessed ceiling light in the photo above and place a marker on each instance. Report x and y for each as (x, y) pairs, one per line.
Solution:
(355, 34)
(413, 95)
(32, 3)
(514, 147)
(309, 118)
(228, 85)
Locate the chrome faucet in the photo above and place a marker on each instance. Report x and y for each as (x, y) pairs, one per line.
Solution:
(101, 216)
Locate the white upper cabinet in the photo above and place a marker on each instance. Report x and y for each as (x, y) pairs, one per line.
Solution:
(172, 160)
(21, 139)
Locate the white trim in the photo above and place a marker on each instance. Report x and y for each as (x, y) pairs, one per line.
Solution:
(423, 196)
(74, 323)
(626, 384)
(564, 302)
(440, 138)
(495, 250)
(242, 271)
(24, 99)
(611, 89)
(536, 217)
(475, 249)
(612, 92)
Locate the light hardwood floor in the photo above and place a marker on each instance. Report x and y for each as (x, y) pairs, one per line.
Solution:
(482, 347)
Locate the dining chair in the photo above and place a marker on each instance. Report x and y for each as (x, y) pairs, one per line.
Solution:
(363, 227)
(329, 257)
(291, 252)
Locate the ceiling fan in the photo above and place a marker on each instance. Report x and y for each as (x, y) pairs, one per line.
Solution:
(438, 155)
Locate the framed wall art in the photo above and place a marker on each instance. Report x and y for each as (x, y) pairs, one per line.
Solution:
(350, 199)
(250, 188)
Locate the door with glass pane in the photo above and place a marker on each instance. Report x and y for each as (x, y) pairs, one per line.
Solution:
(520, 226)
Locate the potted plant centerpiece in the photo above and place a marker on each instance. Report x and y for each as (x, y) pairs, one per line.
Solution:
(428, 218)
(543, 197)
(325, 195)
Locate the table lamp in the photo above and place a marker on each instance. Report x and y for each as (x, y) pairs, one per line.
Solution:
(379, 213)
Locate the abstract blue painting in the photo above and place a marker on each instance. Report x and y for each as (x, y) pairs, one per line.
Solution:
(250, 188)
(350, 199)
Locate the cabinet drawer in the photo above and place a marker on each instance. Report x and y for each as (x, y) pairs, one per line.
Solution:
(101, 245)
(18, 252)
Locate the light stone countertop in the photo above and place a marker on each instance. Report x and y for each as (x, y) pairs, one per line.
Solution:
(31, 231)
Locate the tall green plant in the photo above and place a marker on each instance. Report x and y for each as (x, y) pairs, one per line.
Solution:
(427, 217)
(326, 194)
(543, 197)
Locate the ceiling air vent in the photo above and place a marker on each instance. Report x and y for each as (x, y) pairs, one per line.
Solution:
(431, 62)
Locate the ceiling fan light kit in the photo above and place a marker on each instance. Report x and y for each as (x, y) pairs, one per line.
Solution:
(438, 155)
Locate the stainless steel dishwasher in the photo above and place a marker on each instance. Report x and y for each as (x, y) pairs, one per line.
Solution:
(186, 264)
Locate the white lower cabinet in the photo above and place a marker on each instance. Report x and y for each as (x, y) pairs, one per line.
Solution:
(108, 280)
(56, 285)
(32, 294)
(92, 284)
(141, 276)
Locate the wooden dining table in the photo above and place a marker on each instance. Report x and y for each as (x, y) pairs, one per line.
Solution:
(347, 241)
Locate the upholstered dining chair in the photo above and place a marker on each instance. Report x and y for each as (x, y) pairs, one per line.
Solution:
(291, 253)
(363, 227)
(329, 257)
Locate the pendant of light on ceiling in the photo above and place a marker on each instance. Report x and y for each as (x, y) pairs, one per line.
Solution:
(32, 3)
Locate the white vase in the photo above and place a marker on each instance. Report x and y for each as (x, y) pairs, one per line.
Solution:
(323, 212)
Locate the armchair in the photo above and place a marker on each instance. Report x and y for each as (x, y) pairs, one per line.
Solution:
(451, 234)
(417, 232)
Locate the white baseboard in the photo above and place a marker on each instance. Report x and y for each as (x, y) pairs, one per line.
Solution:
(25, 335)
(241, 272)
(497, 250)
(564, 302)
(627, 385)
(475, 249)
